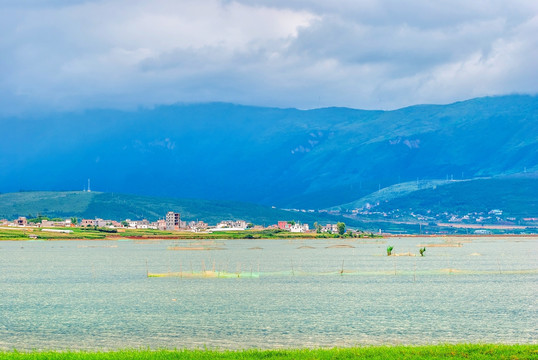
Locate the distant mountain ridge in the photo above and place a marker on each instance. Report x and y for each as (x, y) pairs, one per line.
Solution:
(515, 196)
(289, 158)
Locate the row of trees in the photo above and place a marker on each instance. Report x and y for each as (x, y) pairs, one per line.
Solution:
(40, 218)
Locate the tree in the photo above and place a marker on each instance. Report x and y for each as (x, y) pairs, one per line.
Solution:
(38, 219)
(341, 228)
(317, 227)
(74, 221)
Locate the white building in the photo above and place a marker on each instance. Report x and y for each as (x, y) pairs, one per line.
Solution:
(332, 228)
(138, 224)
(299, 228)
(230, 225)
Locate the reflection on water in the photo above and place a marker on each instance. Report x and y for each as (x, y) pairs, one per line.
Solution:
(326, 292)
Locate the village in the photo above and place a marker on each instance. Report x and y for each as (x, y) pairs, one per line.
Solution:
(486, 217)
(171, 222)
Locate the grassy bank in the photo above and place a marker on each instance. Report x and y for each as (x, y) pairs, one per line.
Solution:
(102, 233)
(461, 351)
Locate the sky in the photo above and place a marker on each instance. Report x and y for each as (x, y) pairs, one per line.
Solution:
(58, 55)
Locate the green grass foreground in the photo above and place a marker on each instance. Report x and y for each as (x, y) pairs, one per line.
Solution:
(460, 351)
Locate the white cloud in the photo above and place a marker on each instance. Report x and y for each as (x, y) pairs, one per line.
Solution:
(367, 54)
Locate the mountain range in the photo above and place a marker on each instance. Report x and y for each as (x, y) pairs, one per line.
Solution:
(289, 158)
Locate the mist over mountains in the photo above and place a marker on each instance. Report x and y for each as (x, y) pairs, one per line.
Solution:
(283, 157)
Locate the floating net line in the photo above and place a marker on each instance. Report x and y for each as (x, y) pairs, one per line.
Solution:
(254, 275)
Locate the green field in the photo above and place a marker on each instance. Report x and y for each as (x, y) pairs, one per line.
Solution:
(100, 233)
(461, 351)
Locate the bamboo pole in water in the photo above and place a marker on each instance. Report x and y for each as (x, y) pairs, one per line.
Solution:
(292, 271)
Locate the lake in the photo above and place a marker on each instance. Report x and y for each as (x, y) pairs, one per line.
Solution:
(287, 293)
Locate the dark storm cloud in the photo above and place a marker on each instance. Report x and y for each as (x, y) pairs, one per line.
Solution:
(366, 54)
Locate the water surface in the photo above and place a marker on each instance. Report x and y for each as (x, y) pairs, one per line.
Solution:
(96, 294)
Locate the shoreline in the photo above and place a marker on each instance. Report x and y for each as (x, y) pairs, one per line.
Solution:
(31, 233)
(81, 233)
(247, 236)
(160, 238)
(458, 235)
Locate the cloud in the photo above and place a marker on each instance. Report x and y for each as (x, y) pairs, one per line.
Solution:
(367, 54)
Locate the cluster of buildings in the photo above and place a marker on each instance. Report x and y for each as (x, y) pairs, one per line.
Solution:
(491, 217)
(172, 221)
(228, 225)
(292, 226)
(298, 227)
(22, 221)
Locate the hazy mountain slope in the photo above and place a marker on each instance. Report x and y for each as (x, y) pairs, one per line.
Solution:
(516, 196)
(55, 204)
(121, 206)
(392, 192)
(286, 157)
